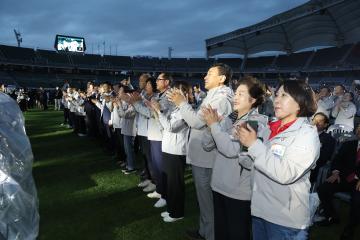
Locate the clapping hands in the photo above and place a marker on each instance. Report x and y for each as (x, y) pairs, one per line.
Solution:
(210, 115)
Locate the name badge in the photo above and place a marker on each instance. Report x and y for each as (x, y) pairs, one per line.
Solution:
(278, 150)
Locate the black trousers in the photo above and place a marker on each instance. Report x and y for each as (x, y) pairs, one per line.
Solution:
(326, 193)
(174, 184)
(72, 119)
(232, 218)
(81, 124)
(119, 145)
(144, 145)
(91, 126)
(66, 116)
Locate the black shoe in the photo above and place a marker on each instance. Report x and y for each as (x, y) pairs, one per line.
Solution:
(194, 235)
(347, 234)
(328, 221)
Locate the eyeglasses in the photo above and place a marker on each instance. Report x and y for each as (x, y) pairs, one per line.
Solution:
(163, 79)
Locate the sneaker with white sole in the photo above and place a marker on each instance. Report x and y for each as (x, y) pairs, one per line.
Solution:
(170, 219)
(150, 188)
(165, 214)
(154, 195)
(160, 203)
(144, 183)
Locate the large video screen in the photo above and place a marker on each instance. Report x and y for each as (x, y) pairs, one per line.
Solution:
(69, 44)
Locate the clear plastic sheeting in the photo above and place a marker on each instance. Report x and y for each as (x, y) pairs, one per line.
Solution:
(19, 217)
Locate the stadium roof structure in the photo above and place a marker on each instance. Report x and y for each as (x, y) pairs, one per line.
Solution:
(313, 24)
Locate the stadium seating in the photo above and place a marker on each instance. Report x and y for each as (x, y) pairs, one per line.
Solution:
(16, 54)
(329, 57)
(118, 61)
(354, 57)
(259, 63)
(54, 58)
(87, 60)
(291, 61)
(234, 63)
(200, 64)
(174, 64)
(146, 63)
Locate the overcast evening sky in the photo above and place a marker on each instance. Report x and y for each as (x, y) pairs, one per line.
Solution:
(136, 27)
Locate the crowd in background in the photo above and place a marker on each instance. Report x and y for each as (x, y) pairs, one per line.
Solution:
(255, 151)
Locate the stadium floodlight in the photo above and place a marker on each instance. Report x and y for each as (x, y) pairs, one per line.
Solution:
(18, 37)
(170, 50)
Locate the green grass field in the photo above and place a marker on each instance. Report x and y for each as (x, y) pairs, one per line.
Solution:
(83, 194)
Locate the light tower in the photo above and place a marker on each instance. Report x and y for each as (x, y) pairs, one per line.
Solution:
(18, 37)
(170, 49)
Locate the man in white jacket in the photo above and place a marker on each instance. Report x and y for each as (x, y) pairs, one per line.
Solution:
(219, 97)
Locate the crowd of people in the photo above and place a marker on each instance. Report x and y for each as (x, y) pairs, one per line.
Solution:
(29, 98)
(255, 151)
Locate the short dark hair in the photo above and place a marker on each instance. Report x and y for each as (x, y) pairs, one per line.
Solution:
(224, 70)
(167, 76)
(302, 93)
(326, 118)
(255, 87)
(145, 75)
(182, 85)
(152, 81)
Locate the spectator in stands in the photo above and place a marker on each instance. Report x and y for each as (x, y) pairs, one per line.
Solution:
(199, 94)
(325, 101)
(219, 97)
(267, 107)
(344, 111)
(356, 91)
(2, 87)
(321, 121)
(175, 132)
(231, 181)
(345, 175)
(282, 163)
(58, 96)
(339, 91)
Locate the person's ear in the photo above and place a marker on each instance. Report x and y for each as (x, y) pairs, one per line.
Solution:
(223, 79)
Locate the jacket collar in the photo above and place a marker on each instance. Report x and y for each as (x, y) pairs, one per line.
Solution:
(294, 127)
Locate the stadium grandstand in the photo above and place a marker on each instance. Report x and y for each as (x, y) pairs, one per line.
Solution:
(319, 40)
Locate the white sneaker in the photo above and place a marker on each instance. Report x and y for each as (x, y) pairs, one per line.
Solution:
(144, 183)
(154, 195)
(160, 203)
(170, 219)
(165, 214)
(150, 188)
(81, 135)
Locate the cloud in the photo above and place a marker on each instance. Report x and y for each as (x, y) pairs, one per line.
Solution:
(136, 27)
